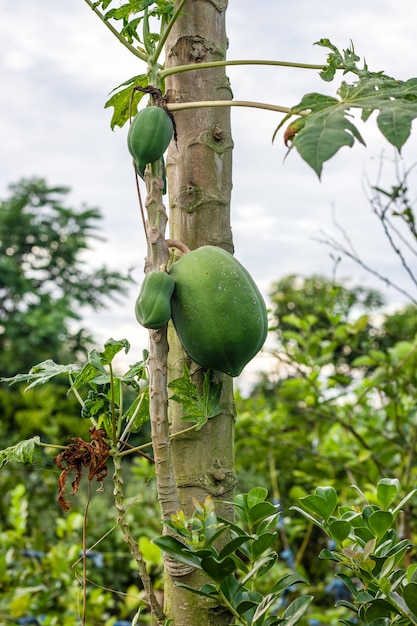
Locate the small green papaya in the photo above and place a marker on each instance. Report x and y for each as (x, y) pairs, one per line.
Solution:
(217, 310)
(149, 135)
(153, 304)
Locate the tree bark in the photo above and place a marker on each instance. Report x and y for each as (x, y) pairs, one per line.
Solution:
(199, 170)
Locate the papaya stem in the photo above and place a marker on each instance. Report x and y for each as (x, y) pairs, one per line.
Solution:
(210, 64)
(115, 32)
(180, 106)
(164, 35)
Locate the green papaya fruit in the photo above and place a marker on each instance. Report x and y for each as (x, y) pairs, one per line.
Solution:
(217, 310)
(149, 135)
(153, 304)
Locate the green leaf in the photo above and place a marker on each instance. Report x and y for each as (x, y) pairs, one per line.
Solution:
(256, 495)
(206, 591)
(262, 543)
(406, 498)
(122, 98)
(380, 522)
(323, 134)
(323, 502)
(261, 511)
(380, 621)
(307, 516)
(349, 584)
(287, 581)
(386, 491)
(296, 610)
(410, 597)
(263, 606)
(42, 373)
(111, 348)
(394, 122)
(329, 555)
(218, 570)
(232, 546)
(260, 567)
(339, 530)
(177, 550)
(197, 408)
(327, 124)
(22, 452)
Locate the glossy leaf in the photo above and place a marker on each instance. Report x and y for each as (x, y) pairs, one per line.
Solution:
(296, 610)
(256, 495)
(218, 570)
(260, 511)
(177, 550)
(339, 530)
(410, 597)
(380, 522)
(387, 491)
(323, 502)
(287, 581)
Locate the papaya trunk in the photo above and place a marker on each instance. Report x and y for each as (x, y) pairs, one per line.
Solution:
(199, 170)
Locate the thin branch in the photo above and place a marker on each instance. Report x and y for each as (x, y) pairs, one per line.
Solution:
(385, 222)
(336, 245)
(115, 32)
(166, 32)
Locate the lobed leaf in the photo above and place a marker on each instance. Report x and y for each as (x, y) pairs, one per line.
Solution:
(122, 100)
(22, 452)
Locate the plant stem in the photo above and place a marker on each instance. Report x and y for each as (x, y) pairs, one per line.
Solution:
(229, 103)
(165, 34)
(115, 32)
(239, 619)
(136, 449)
(181, 432)
(210, 64)
(131, 542)
(113, 407)
(51, 445)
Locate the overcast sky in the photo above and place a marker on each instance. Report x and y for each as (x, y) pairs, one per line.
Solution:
(58, 64)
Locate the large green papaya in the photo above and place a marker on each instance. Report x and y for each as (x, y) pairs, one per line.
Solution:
(153, 304)
(217, 310)
(149, 135)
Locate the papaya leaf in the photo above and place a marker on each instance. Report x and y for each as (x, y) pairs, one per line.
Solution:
(22, 452)
(121, 98)
(197, 408)
(323, 134)
(42, 373)
(327, 122)
(113, 347)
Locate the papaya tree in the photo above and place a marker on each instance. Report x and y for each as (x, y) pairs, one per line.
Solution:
(189, 99)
